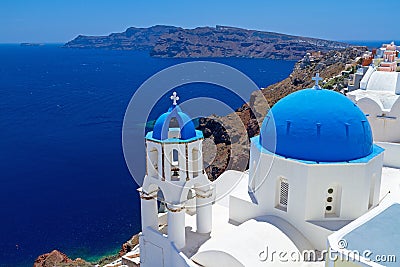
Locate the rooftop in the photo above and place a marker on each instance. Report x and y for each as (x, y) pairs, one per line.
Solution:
(337, 132)
(384, 82)
(379, 225)
(384, 99)
(247, 240)
(383, 230)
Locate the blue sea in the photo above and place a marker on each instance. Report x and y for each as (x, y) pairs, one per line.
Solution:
(64, 181)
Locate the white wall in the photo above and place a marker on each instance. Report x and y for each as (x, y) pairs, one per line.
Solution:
(383, 129)
(391, 156)
(157, 250)
(308, 184)
(354, 181)
(365, 79)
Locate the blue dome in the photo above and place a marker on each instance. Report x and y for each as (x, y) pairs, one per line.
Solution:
(187, 129)
(317, 125)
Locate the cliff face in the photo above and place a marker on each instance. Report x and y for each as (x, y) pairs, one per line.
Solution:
(221, 41)
(131, 39)
(56, 258)
(59, 259)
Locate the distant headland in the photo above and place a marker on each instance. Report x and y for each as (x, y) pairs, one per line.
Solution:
(31, 44)
(219, 41)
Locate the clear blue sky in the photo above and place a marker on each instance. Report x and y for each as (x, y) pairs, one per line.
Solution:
(62, 20)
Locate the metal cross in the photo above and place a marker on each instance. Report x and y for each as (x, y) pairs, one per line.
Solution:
(174, 98)
(317, 79)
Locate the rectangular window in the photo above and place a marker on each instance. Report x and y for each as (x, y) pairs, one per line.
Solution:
(283, 194)
(175, 157)
(175, 170)
(333, 201)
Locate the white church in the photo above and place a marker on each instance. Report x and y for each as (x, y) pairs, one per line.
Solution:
(378, 97)
(316, 186)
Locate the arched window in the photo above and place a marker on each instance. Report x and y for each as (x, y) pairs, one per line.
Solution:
(195, 162)
(152, 162)
(175, 157)
(174, 161)
(174, 130)
(283, 194)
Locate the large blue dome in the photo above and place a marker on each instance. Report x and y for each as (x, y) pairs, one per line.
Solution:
(317, 125)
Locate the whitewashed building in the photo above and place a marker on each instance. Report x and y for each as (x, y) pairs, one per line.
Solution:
(378, 98)
(313, 170)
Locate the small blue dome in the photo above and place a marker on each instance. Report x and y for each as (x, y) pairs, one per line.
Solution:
(187, 129)
(317, 125)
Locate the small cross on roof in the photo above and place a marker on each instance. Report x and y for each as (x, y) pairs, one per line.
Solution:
(317, 79)
(174, 98)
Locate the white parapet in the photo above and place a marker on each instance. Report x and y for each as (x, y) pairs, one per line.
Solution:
(391, 156)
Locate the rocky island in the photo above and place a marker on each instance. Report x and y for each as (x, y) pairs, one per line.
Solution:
(219, 41)
(131, 39)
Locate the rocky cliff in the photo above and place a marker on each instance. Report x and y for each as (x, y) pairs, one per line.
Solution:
(59, 259)
(223, 41)
(219, 41)
(56, 258)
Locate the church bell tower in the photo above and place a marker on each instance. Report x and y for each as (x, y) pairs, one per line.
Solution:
(174, 166)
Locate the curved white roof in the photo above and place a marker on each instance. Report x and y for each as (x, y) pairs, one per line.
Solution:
(379, 86)
(384, 82)
(385, 100)
(252, 243)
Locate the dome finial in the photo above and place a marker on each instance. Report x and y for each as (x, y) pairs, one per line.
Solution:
(174, 98)
(317, 79)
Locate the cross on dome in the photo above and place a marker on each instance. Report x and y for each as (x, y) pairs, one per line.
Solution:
(317, 79)
(174, 98)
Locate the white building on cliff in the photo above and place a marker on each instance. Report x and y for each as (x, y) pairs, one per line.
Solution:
(378, 98)
(313, 170)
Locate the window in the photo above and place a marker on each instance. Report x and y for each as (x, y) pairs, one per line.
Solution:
(175, 157)
(283, 194)
(195, 162)
(152, 162)
(174, 162)
(332, 201)
(173, 129)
